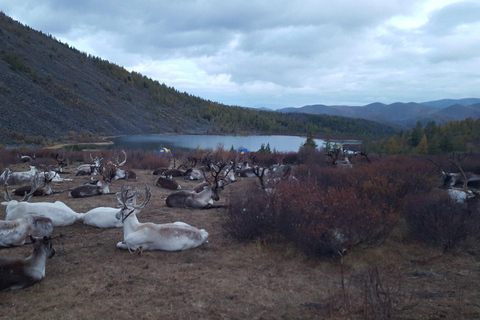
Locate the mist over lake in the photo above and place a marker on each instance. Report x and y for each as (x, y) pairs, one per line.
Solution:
(192, 142)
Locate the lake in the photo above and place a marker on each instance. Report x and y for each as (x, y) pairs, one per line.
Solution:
(192, 142)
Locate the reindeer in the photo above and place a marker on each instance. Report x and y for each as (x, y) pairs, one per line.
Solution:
(58, 212)
(120, 173)
(103, 217)
(203, 199)
(190, 173)
(334, 154)
(90, 168)
(174, 173)
(60, 164)
(16, 274)
(150, 236)
(244, 170)
(90, 190)
(167, 183)
(19, 178)
(43, 191)
(450, 179)
(15, 232)
(26, 158)
(159, 171)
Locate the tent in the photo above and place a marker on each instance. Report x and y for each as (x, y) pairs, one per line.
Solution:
(243, 150)
(164, 150)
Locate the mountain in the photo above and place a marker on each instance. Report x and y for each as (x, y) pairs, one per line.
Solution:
(49, 90)
(444, 103)
(403, 114)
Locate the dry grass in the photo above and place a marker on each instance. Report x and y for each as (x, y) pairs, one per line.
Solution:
(89, 278)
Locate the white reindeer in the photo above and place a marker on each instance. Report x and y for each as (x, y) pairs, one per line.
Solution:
(16, 274)
(90, 168)
(14, 233)
(58, 212)
(103, 217)
(18, 178)
(150, 236)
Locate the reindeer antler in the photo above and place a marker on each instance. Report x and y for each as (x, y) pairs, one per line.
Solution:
(5, 176)
(455, 160)
(36, 184)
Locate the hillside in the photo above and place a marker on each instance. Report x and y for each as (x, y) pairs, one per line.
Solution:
(49, 90)
(403, 114)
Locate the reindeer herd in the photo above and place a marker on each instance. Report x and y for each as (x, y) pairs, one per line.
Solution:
(34, 222)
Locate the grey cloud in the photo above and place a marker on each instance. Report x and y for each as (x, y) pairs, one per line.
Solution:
(444, 21)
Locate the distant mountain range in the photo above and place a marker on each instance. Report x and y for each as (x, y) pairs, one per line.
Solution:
(403, 114)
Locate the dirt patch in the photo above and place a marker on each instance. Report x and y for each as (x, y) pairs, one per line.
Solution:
(89, 278)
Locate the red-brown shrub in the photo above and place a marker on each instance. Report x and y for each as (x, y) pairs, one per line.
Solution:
(436, 219)
(322, 222)
(325, 209)
(249, 214)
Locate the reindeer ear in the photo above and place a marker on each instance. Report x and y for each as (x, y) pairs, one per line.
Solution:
(32, 238)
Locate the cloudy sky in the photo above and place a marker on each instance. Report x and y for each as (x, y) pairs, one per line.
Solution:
(278, 54)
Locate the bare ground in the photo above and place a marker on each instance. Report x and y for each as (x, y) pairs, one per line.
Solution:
(89, 278)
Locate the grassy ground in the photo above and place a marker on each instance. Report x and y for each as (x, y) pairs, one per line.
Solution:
(89, 278)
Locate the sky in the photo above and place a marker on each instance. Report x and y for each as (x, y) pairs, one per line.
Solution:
(276, 54)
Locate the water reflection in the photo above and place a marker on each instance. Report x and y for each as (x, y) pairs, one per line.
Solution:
(192, 142)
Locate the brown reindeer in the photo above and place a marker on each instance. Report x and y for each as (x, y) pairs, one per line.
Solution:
(16, 274)
(203, 199)
(89, 190)
(167, 183)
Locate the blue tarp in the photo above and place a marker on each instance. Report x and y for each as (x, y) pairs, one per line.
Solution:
(242, 150)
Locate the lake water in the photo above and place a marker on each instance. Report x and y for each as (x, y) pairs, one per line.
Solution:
(192, 142)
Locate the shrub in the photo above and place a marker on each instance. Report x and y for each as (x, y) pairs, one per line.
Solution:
(318, 222)
(248, 215)
(437, 220)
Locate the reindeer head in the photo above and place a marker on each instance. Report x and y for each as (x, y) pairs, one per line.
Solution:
(128, 200)
(43, 244)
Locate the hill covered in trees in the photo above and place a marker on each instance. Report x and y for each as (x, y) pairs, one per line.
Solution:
(454, 136)
(49, 90)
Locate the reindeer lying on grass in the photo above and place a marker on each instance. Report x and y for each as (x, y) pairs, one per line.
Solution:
(90, 190)
(58, 212)
(104, 217)
(16, 274)
(150, 236)
(18, 178)
(16, 232)
(218, 177)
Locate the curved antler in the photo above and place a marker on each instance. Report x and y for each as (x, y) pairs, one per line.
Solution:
(148, 194)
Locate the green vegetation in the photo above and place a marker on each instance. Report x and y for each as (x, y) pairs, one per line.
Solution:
(459, 136)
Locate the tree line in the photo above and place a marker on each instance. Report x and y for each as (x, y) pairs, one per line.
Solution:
(458, 136)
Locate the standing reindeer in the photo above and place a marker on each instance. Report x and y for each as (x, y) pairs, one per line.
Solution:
(150, 236)
(16, 274)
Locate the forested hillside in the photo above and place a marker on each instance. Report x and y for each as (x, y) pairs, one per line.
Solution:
(49, 90)
(458, 136)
